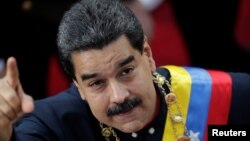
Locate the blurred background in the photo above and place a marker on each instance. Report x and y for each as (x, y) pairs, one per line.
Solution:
(210, 34)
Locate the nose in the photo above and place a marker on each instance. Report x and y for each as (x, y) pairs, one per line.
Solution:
(118, 92)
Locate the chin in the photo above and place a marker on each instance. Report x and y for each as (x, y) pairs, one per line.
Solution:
(131, 127)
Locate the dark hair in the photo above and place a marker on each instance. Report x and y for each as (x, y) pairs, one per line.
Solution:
(92, 24)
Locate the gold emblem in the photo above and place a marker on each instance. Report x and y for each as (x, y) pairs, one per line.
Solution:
(183, 138)
(170, 98)
(106, 132)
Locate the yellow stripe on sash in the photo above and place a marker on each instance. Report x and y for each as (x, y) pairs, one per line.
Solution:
(181, 83)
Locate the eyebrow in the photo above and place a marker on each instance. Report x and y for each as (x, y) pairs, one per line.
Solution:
(88, 76)
(126, 61)
(121, 63)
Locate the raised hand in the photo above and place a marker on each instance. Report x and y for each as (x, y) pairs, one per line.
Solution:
(13, 100)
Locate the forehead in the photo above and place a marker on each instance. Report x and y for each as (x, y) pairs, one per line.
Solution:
(100, 59)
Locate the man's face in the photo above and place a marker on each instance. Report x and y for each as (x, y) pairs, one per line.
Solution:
(116, 81)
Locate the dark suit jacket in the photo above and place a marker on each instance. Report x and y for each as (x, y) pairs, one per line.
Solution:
(66, 117)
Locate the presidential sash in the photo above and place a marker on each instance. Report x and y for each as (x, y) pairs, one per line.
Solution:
(204, 97)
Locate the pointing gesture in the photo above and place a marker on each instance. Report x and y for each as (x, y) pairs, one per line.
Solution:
(12, 74)
(13, 100)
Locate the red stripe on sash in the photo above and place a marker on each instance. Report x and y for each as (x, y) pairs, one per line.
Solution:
(220, 98)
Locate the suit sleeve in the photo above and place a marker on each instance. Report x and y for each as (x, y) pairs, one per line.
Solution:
(36, 126)
(240, 104)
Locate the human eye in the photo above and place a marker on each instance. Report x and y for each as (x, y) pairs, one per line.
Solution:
(96, 83)
(127, 71)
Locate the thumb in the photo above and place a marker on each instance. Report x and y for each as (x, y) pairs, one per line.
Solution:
(27, 104)
(27, 101)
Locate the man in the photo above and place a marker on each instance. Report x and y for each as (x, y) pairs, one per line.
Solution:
(117, 93)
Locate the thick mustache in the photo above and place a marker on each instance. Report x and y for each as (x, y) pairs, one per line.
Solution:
(123, 107)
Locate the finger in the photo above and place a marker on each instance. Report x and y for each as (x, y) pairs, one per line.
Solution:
(12, 74)
(7, 110)
(10, 108)
(10, 103)
(10, 97)
(4, 120)
(6, 128)
(27, 102)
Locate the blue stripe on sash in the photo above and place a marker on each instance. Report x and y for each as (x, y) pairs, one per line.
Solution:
(199, 100)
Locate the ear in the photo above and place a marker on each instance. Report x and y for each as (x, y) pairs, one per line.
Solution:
(79, 89)
(148, 53)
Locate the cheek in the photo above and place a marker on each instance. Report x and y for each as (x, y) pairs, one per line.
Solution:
(98, 106)
(147, 86)
(142, 82)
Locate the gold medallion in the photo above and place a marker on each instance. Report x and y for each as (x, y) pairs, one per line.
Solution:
(106, 132)
(170, 98)
(183, 138)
